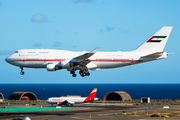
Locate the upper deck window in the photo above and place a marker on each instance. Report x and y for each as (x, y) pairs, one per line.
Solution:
(43, 52)
(31, 52)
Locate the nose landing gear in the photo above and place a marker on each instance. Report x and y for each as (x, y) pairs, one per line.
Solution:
(22, 72)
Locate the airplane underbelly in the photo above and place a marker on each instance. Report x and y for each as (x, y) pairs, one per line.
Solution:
(35, 64)
(106, 65)
(30, 64)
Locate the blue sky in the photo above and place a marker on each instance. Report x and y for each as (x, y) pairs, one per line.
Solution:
(78, 25)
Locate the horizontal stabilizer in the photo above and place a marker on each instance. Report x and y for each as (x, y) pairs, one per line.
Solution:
(157, 54)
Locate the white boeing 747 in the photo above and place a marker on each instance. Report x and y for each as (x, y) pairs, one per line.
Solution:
(53, 60)
(70, 100)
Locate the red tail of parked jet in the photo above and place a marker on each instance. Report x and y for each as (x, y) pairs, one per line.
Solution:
(91, 96)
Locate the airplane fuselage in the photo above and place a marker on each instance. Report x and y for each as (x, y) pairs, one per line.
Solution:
(39, 58)
(55, 100)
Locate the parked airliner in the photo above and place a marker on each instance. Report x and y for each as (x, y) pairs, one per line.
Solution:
(53, 60)
(70, 100)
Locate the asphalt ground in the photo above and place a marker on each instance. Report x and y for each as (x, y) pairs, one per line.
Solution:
(90, 111)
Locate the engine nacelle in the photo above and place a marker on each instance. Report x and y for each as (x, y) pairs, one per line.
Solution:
(51, 67)
(59, 103)
(91, 66)
(66, 64)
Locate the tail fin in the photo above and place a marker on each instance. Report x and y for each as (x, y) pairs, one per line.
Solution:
(157, 42)
(91, 96)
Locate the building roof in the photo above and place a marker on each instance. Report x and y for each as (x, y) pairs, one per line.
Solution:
(117, 95)
(1, 96)
(19, 95)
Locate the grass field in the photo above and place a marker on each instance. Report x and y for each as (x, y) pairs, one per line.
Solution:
(31, 109)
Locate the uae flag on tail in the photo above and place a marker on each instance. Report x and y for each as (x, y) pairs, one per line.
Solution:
(156, 38)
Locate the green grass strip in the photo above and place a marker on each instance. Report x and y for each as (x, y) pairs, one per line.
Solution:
(31, 109)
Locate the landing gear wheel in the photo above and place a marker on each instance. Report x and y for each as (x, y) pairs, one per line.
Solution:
(82, 73)
(72, 72)
(22, 73)
(88, 74)
(74, 75)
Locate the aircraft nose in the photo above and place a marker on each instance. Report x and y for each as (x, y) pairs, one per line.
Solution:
(7, 59)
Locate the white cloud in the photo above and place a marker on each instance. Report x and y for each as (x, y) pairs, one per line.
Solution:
(57, 44)
(74, 46)
(39, 18)
(37, 45)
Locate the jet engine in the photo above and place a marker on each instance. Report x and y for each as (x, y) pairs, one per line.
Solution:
(59, 103)
(69, 65)
(66, 64)
(51, 67)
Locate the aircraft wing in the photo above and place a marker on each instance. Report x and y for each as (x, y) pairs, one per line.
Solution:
(86, 55)
(157, 54)
(66, 102)
(83, 59)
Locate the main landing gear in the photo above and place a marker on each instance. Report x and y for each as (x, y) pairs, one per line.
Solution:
(73, 73)
(22, 72)
(69, 104)
(82, 73)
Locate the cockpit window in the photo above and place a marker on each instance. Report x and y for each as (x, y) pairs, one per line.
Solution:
(16, 52)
